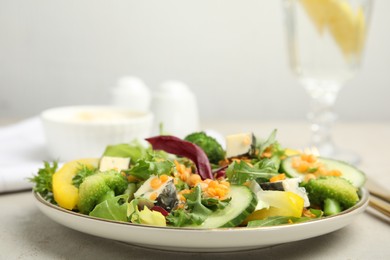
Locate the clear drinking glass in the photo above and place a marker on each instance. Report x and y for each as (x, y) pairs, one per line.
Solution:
(325, 44)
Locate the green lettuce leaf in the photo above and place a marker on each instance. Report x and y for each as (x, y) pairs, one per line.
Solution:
(113, 209)
(134, 150)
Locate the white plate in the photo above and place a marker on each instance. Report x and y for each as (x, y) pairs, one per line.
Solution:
(201, 240)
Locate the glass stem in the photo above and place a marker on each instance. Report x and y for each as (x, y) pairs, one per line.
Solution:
(321, 116)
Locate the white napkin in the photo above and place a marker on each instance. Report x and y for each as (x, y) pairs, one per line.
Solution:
(22, 152)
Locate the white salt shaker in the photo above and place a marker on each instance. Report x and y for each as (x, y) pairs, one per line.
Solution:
(175, 108)
(131, 92)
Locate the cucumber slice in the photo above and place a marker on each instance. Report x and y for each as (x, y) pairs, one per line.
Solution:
(241, 206)
(349, 172)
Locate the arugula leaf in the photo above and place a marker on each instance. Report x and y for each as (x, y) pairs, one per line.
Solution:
(276, 220)
(316, 212)
(82, 173)
(241, 172)
(194, 203)
(270, 165)
(270, 141)
(132, 211)
(43, 181)
(215, 204)
(180, 218)
(196, 212)
(182, 185)
(151, 165)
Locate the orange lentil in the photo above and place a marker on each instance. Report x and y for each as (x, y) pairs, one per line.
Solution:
(155, 183)
(307, 213)
(321, 170)
(164, 178)
(131, 178)
(184, 176)
(153, 196)
(203, 186)
(311, 158)
(213, 184)
(303, 166)
(186, 191)
(182, 192)
(220, 192)
(211, 192)
(194, 179)
(207, 181)
(225, 183)
(309, 177)
(182, 198)
(278, 177)
(334, 173)
(267, 154)
(295, 162)
(247, 183)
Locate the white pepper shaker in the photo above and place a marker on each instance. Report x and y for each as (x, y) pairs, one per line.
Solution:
(175, 108)
(132, 93)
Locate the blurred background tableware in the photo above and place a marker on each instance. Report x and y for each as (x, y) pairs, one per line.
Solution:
(175, 108)
(132, 93)
(84, 131)
(325, 42)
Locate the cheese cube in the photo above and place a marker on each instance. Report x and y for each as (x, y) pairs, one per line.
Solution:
(239, 144)
(114, 163)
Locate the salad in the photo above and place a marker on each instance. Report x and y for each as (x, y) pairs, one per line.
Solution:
(195, 182)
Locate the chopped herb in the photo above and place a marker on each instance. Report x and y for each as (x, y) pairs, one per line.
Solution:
(43, 181)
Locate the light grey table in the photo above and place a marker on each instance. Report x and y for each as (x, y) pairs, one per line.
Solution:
(25, 233)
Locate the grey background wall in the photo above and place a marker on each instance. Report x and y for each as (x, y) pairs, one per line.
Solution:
(231, 53)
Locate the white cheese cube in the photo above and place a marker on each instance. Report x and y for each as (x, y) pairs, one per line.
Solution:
(238, 144)
(116, 163)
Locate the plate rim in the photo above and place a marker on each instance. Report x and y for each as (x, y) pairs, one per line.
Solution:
(361, 204)
(232, 239)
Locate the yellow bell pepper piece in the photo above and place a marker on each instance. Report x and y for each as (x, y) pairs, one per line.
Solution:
(281, 203)
(65, 193)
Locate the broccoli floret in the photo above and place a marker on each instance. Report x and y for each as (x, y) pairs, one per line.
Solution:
(99, 187)
(209, 145)
(334, 188)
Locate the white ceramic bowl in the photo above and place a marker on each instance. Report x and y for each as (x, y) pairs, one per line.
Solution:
(84, 131)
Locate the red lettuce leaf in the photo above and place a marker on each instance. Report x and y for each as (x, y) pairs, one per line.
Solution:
(175, 145)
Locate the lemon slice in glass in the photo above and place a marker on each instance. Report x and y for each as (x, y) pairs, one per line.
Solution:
(346, 24)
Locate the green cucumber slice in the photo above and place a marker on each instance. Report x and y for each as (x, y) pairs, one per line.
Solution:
(349, 172)
(241, 206)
